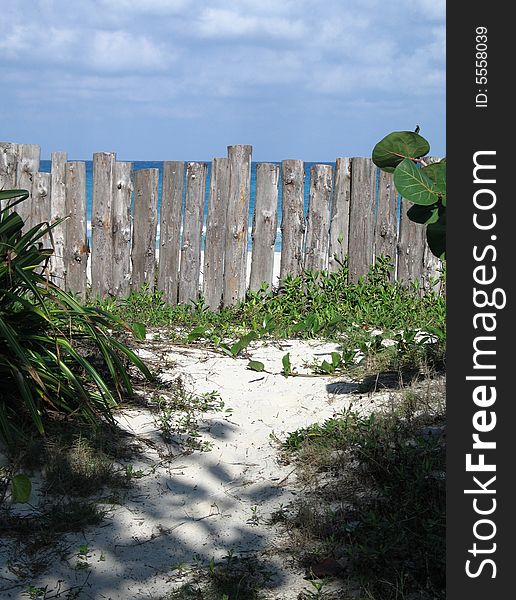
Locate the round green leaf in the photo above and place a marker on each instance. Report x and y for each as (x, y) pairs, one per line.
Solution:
(423, 214)
(256, 365)
(414, 185)
(21, 488)
(398, 146)
(436, 237)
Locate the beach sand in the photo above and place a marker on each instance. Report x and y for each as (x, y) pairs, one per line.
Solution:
(205, 503)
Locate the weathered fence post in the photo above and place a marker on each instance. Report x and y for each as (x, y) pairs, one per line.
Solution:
(432, 271)
(144, 228)
(58, 212)
(215, 241)
(7, 167)
(339, 227)
(265, 224)
(292, 218)
(237, 223)
(318, 221)
(28, 156)
(76, 249)
(192, 232)
(361, 217)
(40, 193)
(102, 223)
(122, 197)
(170, 228)
(411, 247)
(386, 232)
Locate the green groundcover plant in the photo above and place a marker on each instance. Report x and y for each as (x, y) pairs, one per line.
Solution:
(58, 358)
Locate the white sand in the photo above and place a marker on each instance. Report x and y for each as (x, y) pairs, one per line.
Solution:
(203, 503)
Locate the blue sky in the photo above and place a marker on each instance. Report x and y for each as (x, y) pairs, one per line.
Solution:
(182, 79)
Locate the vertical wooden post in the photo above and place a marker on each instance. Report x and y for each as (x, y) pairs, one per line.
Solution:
(8, 160)
(40, 193)
(361, 217)
(76, 249)
(170, 228)
(318, 221)
(265, 224)
(292, 218)
(386, 233)
(215, 241)
(411, 247)
(58, 212)
(122, 197)
(102, 223)
(192, 232)
(144, 228)
(237, 223)
(28, 156)
(339, 227)
(432, 267)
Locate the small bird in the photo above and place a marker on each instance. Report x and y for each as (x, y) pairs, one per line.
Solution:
(416, 130)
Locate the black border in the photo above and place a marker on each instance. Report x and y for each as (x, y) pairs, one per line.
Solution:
(471, 129)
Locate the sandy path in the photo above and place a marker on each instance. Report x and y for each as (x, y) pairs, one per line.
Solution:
(203, 503)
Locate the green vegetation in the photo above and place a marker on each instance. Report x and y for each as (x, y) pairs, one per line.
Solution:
(313, 305)
(400, 153)
(57, 357)
(374, 499)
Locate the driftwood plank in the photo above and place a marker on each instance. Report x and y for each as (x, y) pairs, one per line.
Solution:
(40, 193)
(292, 218)
(411, 247)
(57, 213)
(28, 156)
(102, 224)
(8, 160)
(361, 217)
(144, 228)
(318, 220)
(432, 271)
(76, 249)
(237, 223)
(339, 227)
(386, 233)
(170, 228)
(265, 224)
(190, 267)
(215, 241)
(122, 198)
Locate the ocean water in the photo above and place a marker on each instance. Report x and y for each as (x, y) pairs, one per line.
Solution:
(45, 167)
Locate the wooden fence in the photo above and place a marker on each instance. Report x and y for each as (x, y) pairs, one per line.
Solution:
(352, 212)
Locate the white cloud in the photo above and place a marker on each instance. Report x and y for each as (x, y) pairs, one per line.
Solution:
(120, 50)
(221, 22)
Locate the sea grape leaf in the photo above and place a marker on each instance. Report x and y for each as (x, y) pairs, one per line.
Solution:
(414, 185)
(398, 146)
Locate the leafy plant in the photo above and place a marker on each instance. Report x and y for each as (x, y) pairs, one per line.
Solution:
(57, 357)
(424, 184)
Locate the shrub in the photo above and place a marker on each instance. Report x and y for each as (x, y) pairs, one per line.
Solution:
(57, 357)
